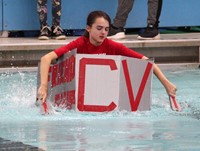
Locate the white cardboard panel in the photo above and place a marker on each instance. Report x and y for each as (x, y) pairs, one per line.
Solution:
(101, 81)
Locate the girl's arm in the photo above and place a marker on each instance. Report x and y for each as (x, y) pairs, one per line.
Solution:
(44, 69)
(170, 87)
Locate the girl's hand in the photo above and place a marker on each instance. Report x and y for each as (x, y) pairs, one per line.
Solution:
(171, 90)
(42, 93)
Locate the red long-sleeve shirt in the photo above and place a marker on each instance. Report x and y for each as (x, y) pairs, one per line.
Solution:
(108, 47)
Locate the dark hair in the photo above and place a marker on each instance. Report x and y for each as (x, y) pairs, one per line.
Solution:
(92, 18)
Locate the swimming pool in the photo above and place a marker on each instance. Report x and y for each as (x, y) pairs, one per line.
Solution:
(154, 130)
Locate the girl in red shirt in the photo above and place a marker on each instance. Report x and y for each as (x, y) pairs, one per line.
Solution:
(94, 41)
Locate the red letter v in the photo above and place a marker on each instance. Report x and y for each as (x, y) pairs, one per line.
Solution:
(135, 103)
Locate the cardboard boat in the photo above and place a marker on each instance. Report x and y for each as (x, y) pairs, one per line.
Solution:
(100, 83)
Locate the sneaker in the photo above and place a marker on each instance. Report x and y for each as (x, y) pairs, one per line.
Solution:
(150, 33)
(58, 33)
(45, 33)
(4, 34)
(116, 33)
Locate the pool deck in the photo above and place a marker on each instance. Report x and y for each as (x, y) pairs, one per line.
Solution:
(171, 48)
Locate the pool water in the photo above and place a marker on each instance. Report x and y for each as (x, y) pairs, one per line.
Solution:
(155, 130)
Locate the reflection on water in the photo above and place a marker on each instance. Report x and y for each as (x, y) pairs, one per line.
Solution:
(157, 129)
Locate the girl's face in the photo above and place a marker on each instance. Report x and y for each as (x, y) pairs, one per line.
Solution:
(98, 31)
